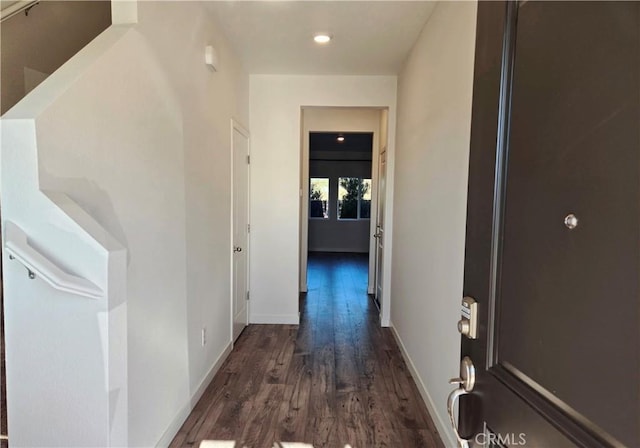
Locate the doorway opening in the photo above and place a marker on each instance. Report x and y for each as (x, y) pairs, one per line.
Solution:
(340, 191)
(340, 197)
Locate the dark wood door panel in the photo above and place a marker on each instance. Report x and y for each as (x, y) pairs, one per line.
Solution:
(555, 131)
(482, 159)
(523, 423)
(566, 295)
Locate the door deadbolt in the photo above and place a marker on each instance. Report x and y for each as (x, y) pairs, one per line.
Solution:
(468, 323)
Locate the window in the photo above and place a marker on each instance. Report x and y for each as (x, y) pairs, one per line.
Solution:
(354, 198)
(319, 197)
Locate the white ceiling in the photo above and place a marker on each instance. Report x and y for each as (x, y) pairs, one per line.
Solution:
(276, 37)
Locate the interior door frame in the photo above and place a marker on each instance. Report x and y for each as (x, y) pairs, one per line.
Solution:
(237, 126)
(304, 193)
(379, 241)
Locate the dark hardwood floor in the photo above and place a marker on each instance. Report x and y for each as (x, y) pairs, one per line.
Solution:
(337, 379)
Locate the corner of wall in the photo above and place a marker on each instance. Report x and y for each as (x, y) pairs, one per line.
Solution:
(275, 319)
(124, 12)
(184, 412)
(435, 91)
(443, 428)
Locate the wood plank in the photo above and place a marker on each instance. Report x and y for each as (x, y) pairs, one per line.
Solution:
(353, 423)
(294, 410)
(337, 378)
(278, 364)
(324, 433)
(260, 427)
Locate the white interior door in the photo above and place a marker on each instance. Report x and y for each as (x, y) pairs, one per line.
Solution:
(379, 235)
(240, 249)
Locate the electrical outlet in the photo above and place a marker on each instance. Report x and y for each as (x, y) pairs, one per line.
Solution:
(204, 336)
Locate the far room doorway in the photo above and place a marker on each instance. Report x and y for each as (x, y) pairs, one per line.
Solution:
(340, 193)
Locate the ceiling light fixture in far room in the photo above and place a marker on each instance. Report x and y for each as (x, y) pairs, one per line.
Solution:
(340, 138)
(322, 38)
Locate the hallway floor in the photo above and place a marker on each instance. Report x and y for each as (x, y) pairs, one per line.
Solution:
(338, 378)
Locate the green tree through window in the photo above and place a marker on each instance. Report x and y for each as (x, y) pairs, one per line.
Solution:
(318, 198)
(352, 194)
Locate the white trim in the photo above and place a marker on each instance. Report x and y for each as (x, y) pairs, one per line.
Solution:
(124, 12)
(18, 248)
(183, 414)
(231, 279)
(385, 299)
(16, 8)
(304, 190)
(373, 217)
(197, 395)
(281, 319)
(303, 255)
(443, 428)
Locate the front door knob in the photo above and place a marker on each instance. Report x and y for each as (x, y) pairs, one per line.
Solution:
(237, 249)
(465, 382)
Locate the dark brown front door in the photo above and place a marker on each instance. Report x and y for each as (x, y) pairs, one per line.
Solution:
(553, 226)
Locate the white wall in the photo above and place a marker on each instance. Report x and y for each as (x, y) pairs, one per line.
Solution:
(434, 118)
(66, 354)
(140, 139)
(275, 105)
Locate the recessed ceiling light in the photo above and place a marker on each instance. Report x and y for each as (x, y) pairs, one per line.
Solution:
(322, 38)
(340, 138)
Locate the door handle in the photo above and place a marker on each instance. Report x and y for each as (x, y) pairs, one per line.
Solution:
(451, 401)
(237, 249)
(377, 235)
(465, 382)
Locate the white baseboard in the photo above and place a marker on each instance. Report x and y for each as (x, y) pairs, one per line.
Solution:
(197, 395)
(446, 433)
(282, 319)
(183, 414)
